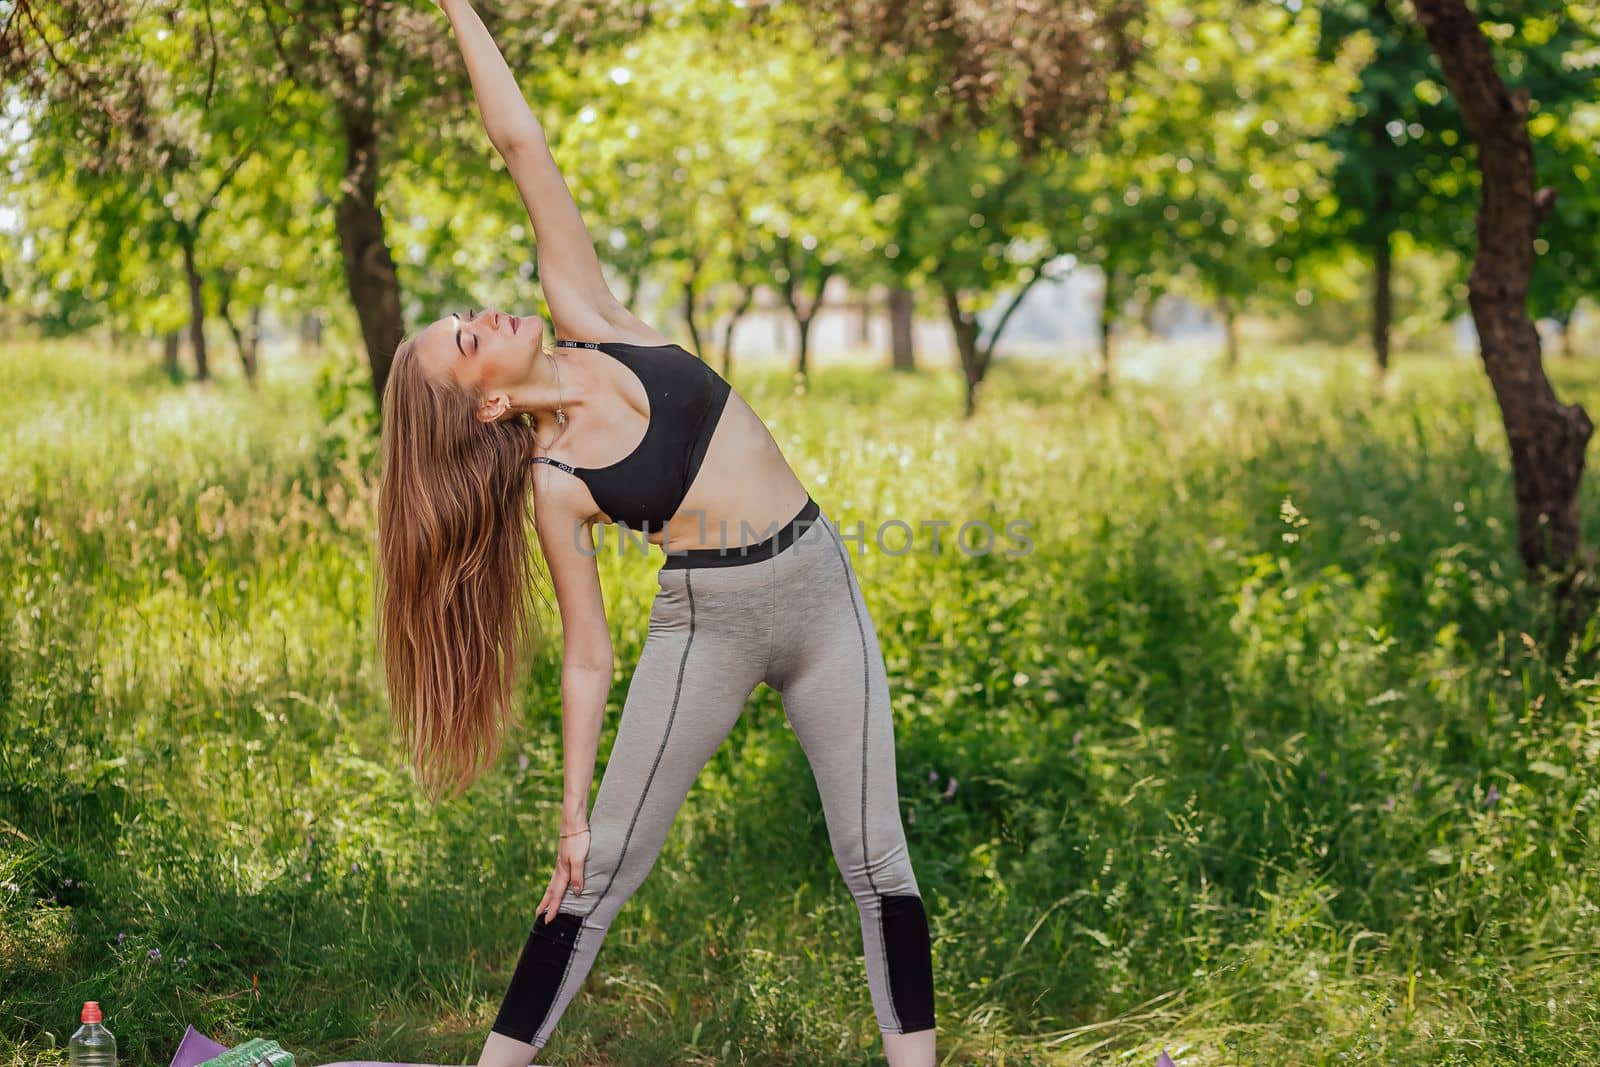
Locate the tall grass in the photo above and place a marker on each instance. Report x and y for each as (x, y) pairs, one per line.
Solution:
(1260, 754)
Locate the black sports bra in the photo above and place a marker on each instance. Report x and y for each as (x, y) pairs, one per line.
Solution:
(645, 488)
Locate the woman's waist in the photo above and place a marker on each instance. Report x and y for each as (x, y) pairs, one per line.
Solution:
(707, 536)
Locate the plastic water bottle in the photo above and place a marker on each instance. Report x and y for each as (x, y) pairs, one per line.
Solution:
(92, 1045)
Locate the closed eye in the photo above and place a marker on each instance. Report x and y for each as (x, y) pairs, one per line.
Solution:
(474, 337)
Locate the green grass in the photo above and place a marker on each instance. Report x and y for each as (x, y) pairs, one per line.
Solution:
(1223, 739)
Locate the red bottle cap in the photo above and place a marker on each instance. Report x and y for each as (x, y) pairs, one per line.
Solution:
(91, 1011)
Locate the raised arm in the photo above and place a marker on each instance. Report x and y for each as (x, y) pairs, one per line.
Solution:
(569, 271)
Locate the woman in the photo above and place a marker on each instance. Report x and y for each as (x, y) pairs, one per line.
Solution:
(615, 424)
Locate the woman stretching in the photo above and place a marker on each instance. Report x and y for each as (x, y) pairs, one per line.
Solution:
(614, 424)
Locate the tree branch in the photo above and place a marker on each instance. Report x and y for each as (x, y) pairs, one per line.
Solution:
(1016, 301)
(211, 74)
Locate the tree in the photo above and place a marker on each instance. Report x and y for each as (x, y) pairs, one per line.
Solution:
(1402, 179)
(1400, 169)
(141, 115)
(1204, 173)
(390, 76)
(950, 129)
(1547, 438)
(367, 64)
(695, 156)
(1257, 95)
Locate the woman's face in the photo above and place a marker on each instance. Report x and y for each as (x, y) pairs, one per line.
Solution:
(483, 350)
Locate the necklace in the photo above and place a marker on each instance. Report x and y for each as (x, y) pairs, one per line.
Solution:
(561, 416)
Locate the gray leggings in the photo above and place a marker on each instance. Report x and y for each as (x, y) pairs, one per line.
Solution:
(787, 612)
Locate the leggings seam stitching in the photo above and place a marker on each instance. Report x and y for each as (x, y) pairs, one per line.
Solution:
(660, 749)
(866, 707)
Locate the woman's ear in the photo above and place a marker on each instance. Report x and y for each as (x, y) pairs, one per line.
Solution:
(493, 407)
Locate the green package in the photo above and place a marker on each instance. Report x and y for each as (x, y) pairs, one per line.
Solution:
(253, 1053)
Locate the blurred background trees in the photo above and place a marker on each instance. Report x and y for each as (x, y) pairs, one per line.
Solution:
(276, 168)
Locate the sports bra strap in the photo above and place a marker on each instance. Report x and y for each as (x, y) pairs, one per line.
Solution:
(561, 343)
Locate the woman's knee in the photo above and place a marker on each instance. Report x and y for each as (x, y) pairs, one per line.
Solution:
(874, 871)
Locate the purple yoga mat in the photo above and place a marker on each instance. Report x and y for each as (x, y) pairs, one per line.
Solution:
(196, 1048)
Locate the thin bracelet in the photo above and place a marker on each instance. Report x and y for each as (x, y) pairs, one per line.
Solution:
(574, 832)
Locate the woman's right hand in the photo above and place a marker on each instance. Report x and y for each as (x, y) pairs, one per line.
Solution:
(570, 857)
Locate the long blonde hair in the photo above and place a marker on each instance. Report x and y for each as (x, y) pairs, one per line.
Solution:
(455, 577)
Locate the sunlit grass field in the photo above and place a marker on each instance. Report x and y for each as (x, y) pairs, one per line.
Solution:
(1261, 753)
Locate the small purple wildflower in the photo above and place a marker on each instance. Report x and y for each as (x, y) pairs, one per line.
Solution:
(950, 789)
(154, 954)
(66, 883)
(122, 937)
(355, 868)
(1492, 796)
(1388, 802)
(1077, 735)
(933, 776)
(1164, 1060)
(522, 761)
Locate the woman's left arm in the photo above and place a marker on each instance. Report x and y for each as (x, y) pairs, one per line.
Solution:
(569, 270)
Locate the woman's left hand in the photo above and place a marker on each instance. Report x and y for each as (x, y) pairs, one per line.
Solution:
(570, 859)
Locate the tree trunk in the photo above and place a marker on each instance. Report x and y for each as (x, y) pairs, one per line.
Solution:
(965, 328)
(1147, 313)
(368, 268)
(197, 308)
(1230, 326)
(903, 354)
(1382, 281)
(688, 305)
(802, 342)
(630, 281)
(169, 355)
(1547, 438)
(746, 296)
(864, 321)
(225, 313)
(1561, 343)
(244, 341)
(1108, 314)
(252, 345)
(311, 332)
(803, 317)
